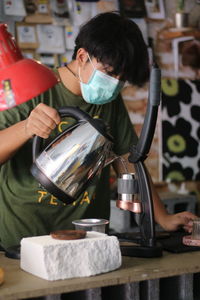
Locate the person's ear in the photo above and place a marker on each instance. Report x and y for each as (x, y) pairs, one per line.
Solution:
(81, 57)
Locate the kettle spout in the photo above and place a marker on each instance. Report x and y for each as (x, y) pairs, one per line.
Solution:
(111, 156)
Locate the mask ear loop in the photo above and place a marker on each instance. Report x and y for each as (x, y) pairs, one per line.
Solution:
(79, 76)
(79, 68)
(91, 61)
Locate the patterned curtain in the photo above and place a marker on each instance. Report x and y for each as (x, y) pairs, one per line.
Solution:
(180, 129)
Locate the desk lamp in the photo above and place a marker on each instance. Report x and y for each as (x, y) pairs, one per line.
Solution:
(139, 183)
(20, 78)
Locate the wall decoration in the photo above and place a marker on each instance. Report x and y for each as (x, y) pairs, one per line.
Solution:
(81, 12)
(14, 8)
(66, 57)
(26, 36)
(155, 9)
(107, 5)
(71, 33)
(60, 12)
(51, 39)
(38, 11)
(133, 8)
(50, 60)
(9, 18)
(180, 129)
(30, 53)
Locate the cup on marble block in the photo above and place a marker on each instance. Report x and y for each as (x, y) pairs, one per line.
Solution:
(92, 224)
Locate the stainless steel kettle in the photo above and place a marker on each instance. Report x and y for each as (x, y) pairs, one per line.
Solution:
(67, 164)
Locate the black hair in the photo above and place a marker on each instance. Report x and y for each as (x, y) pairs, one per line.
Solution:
(116, 41)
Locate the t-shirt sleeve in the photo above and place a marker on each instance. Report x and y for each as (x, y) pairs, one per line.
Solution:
(18, 113)
(123, 131)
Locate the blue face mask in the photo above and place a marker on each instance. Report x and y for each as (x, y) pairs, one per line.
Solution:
(101, 88)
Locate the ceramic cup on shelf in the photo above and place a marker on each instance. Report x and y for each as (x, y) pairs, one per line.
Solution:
(181, 20)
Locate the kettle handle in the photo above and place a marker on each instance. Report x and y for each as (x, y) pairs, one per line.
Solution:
(65, 111)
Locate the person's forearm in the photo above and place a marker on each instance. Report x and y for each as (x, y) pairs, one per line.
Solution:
(41, 121)
(159, 208)
(11, 139)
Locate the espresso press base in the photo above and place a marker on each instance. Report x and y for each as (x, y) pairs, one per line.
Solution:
(135, 250)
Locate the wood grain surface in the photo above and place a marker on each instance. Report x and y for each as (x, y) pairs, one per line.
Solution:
(1, 275)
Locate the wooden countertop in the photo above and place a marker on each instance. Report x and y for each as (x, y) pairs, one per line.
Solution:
(19, 284)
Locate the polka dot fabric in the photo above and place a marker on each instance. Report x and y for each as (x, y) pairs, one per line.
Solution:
(180, 129)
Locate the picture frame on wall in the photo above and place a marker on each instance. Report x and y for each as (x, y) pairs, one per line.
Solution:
(26, 35)
(155, 9)
(132, 8)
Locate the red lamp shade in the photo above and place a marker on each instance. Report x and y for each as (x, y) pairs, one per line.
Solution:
(20, 78)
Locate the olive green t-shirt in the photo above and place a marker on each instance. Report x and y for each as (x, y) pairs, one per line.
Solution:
(27, 209)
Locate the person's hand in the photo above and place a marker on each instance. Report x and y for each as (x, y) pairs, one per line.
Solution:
(180, 220)
(41, 121)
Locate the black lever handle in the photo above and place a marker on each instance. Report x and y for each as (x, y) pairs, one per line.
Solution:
(141, 150)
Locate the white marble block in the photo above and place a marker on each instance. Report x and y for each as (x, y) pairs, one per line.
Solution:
(54, 259)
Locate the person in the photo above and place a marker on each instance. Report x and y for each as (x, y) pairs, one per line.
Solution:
(109, 50)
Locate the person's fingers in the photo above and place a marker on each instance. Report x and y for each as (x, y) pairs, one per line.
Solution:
(187, 229)
(188, 226)
(50, 112)
(42, 120)
(189, 215)
(39, 129)
(182, 220)
(186, 218)
(46, 115)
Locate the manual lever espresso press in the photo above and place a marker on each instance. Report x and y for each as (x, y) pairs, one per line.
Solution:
(68, 164)
(139, 184)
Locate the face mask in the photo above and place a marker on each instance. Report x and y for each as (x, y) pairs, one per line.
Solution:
(101, 88)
